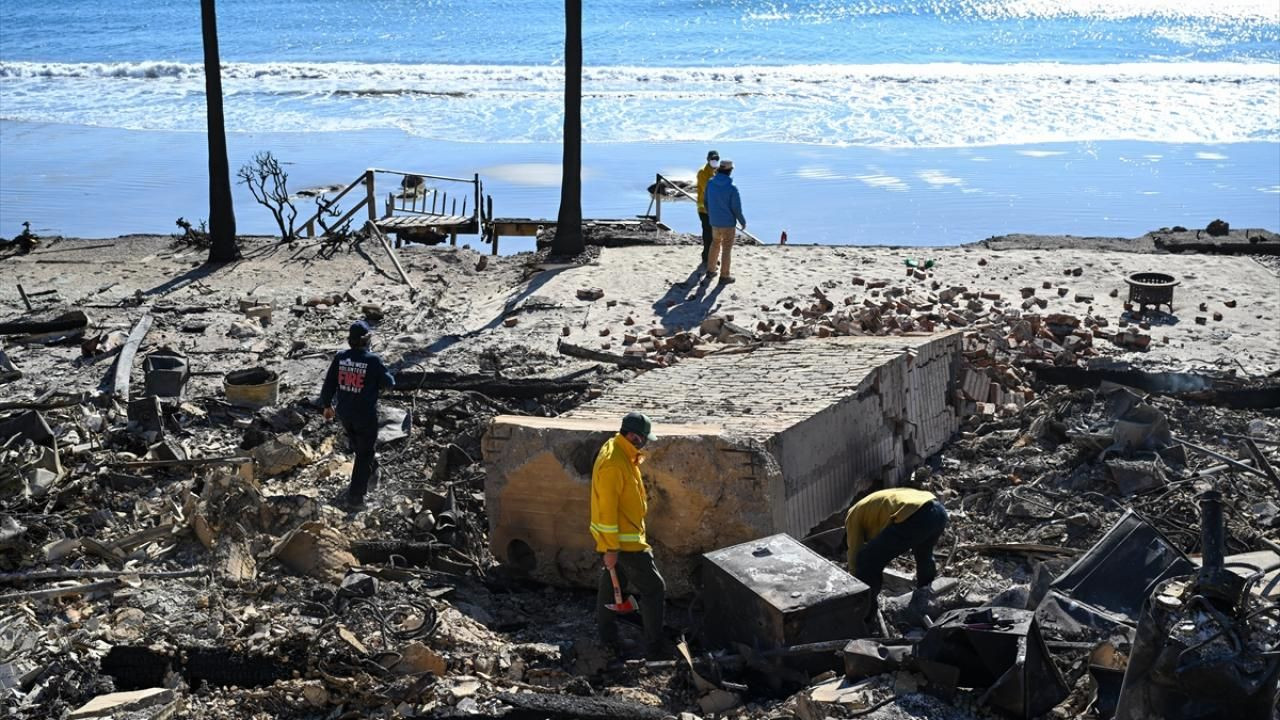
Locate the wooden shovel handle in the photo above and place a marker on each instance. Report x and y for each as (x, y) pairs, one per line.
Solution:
(617, 591)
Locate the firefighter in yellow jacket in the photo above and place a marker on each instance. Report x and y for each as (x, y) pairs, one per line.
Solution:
(705, 173)
(618, 507)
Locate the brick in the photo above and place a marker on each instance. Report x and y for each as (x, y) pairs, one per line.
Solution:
(1201, 320)
(590, 293)
(1084, 298)
(510, 322)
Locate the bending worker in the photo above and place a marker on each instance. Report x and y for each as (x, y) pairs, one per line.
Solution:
(618, 508)
(888, 523)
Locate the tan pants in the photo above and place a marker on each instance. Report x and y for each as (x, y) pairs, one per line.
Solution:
(721, 249)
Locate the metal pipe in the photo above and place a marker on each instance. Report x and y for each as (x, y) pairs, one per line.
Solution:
(1211, 531)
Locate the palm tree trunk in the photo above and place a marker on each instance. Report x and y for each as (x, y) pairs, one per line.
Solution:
(222, 217)
(568, 238)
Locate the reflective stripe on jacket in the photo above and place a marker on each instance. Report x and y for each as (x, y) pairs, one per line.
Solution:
(704, 175)
(872, 514)
(618, 503)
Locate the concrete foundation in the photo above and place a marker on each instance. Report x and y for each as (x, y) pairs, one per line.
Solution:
(770, 441)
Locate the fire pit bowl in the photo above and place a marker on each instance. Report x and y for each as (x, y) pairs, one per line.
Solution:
(1151, 288)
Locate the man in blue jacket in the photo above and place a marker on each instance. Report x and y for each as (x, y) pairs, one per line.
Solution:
(724, 207)
(355, 377)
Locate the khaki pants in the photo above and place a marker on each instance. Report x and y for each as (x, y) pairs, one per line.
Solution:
(721, 250)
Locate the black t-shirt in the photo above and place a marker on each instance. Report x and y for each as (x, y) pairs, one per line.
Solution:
(355, 376)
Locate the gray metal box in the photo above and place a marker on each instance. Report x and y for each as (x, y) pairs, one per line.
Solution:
(775, 592)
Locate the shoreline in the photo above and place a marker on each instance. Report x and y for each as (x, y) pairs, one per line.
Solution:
(84, 182)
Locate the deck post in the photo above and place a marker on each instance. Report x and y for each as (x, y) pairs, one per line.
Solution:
(369, 196)
(657, 198)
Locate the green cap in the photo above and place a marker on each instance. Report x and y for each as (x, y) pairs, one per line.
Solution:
(639, 424)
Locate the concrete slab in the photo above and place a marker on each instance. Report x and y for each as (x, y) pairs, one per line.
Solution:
(770, 441)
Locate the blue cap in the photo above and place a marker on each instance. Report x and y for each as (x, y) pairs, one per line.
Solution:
(359, 330)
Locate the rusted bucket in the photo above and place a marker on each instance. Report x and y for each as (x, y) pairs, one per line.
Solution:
(252, 388)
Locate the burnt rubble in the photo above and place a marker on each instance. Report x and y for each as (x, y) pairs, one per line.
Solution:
(169, 546)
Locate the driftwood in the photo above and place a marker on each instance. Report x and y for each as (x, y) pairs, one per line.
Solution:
(606, 357)
(487, 384)
(374, 230)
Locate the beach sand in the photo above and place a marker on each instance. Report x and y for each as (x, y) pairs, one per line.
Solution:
(461, 310)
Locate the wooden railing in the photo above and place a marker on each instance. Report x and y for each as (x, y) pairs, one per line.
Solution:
(409, 200)
(655, 201)
(365, 180)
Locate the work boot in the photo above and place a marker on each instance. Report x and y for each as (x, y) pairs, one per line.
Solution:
(346, 501)
(664, 650)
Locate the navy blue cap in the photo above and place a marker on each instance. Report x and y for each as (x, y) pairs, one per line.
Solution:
(359, 330)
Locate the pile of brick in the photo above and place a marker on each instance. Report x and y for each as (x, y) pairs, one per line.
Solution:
(1002, 335)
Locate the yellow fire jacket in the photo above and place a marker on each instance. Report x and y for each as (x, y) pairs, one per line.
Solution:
(618, 503)
(704, 177)
(872, 514)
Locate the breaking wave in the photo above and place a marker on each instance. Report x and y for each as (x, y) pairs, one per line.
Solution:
(942, 104)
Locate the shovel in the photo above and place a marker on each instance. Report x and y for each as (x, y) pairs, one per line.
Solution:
(619, 606)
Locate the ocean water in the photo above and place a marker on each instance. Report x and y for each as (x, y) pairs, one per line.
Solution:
(878, 89)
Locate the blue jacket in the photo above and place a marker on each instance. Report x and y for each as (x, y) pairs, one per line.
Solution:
(724, 207)
(354, 379)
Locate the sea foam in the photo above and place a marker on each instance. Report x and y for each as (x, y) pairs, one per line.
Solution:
(899, 105)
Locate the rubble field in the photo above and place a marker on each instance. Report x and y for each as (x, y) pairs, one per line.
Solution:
(170, 545)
